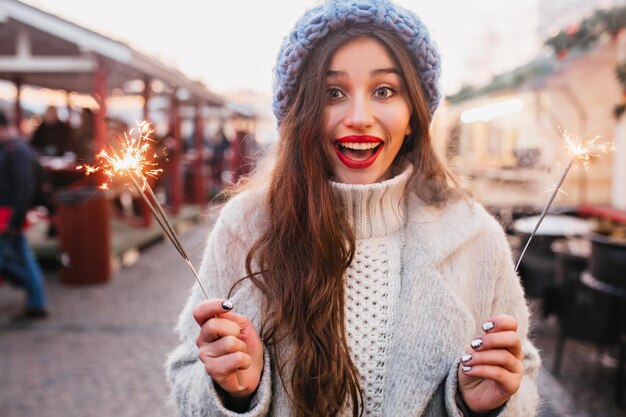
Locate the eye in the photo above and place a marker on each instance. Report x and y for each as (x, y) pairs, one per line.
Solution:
(334, 93)
(384, 92)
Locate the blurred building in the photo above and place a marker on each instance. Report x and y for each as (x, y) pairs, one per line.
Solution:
(555, 15)
(503, 136)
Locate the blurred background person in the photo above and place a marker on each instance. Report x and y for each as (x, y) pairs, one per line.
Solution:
(53, 137)
(83, 136)
(217, 162)
(17, 185)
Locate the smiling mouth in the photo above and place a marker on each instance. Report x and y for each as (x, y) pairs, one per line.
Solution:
(358, 152)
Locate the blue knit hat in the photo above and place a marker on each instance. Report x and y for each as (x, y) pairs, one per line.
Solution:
(316, 23)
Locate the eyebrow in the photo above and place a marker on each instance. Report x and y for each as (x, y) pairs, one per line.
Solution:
(379, 71)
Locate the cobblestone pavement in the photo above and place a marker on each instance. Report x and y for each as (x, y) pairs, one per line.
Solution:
(585, 386)
(101, 353)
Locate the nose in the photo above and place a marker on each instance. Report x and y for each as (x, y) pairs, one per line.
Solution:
(360, 115)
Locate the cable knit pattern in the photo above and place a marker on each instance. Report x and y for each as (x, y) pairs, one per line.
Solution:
(316, 23)
(456, 271)
(372, 289)
(377, 212)
(377, 209)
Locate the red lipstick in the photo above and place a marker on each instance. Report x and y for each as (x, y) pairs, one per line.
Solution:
(354, 164)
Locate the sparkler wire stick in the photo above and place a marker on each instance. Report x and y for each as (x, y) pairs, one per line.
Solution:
(162, 213)
(168, 233)
(163, 220)
(133, 161)
(545, 210)
(582, 149)
(166, 225)
(160, 217)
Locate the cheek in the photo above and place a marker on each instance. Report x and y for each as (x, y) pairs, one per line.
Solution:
(397, 121)
(332, 118)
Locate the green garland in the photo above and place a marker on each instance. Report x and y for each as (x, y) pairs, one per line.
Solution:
(584, 35)
(539, 67)
(581, 36)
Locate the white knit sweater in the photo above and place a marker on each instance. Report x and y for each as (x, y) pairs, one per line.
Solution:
(455, 272)
(377, 214)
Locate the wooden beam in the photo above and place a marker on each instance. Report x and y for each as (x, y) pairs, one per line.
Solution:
(147, 90)
(175, 166)
(99, 93)
(199, 189)
(47, 64)
(146, 214)
(85, 39)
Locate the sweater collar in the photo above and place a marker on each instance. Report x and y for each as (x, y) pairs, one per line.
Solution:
(375, 210)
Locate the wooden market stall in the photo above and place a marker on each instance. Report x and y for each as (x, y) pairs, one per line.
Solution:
(42, 50)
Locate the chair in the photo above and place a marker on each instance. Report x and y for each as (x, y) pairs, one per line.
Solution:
(616, 302)
(572, 308)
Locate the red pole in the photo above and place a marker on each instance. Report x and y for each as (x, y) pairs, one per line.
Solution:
(146, 97)
(68, 105)
(177, 194)
(100, 93)
(199, 163)
(18, 105)
(146, 215)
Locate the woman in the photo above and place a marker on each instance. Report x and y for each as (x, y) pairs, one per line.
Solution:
(372, 286)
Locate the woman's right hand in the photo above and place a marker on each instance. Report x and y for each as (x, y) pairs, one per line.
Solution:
(230, 348)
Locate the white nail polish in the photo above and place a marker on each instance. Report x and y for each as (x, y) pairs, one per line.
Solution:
(466, 368)
(488, 325)
(476, 343)
(466, 358)
(227, 305)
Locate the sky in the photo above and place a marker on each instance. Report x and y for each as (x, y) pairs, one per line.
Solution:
(231, 45)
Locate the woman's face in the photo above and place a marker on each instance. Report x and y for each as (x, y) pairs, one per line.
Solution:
(367, 112)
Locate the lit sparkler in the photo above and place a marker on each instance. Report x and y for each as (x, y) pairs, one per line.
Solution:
(133, 160)
(579, 149)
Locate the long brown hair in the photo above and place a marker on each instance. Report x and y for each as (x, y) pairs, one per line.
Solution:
(300, 259)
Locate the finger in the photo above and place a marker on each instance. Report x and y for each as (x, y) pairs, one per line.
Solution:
(223, 367)
(499, 323)
(215, 328)
(224, 346)
(494, 357)
(210, 308)
(508, 381)
(499, 340)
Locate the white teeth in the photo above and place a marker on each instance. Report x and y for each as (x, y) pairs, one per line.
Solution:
(359, 146)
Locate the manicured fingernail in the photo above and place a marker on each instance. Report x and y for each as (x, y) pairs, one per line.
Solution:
(466, 368)
(227, 305)
(476, 343)
(488, 325)
(466, 358)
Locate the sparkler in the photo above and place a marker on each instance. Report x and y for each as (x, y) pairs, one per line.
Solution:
(579, 149)
(133, 160)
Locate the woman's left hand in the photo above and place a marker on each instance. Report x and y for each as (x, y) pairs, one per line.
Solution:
(491, 370)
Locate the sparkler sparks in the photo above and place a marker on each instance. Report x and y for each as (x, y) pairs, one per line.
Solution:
(132, 160)
(580, 149)
(585, 149)
(132, 157)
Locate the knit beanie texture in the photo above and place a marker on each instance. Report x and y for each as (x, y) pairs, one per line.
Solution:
(318, 22)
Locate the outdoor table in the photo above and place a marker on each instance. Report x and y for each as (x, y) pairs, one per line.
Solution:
(537, 267)
(571, 257)
(62, 171)
(616, 323)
